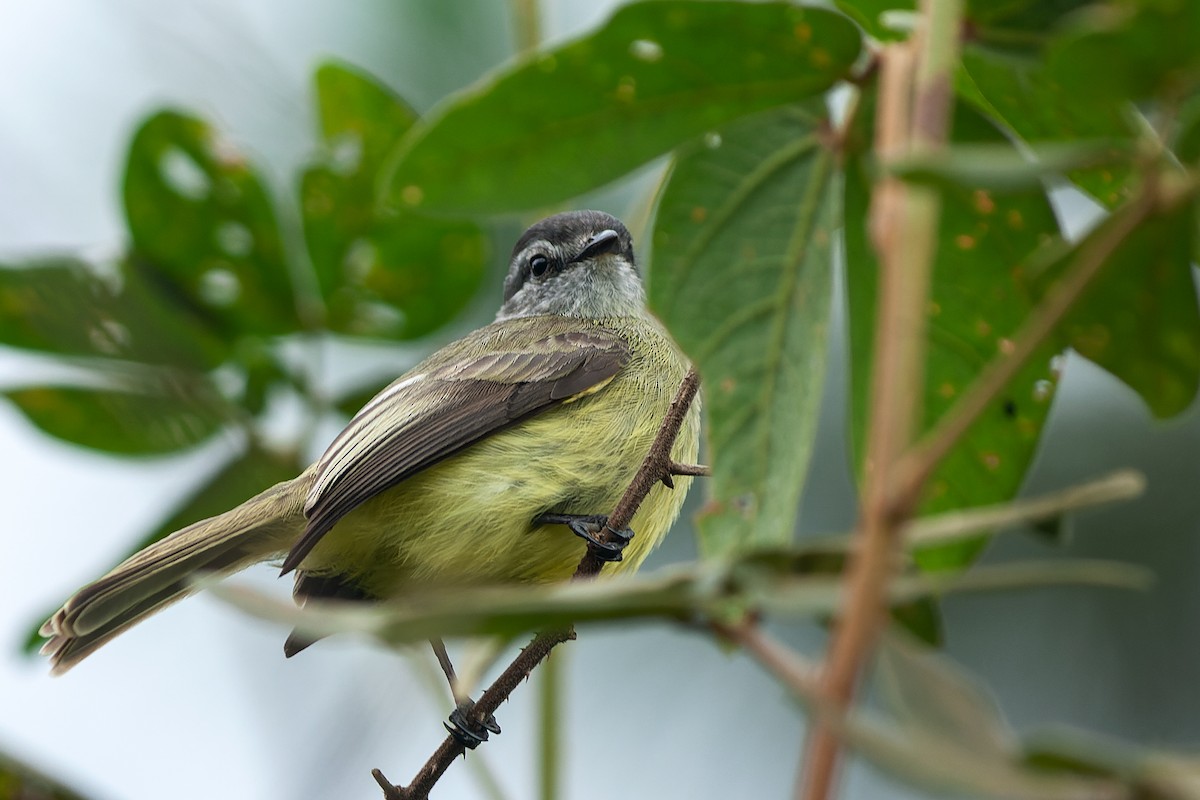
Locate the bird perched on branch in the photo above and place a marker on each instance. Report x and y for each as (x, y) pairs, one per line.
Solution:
(490, 462)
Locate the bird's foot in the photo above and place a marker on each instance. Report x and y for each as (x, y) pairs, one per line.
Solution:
(468, 731)
(588, 528)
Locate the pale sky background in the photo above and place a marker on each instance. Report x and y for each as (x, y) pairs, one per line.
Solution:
(198, 702)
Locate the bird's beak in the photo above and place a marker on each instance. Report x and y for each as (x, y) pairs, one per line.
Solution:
(606, 241)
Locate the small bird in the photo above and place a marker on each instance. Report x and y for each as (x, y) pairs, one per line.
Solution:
(490, 462)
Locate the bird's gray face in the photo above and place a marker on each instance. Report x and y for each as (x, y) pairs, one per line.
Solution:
(577, 264)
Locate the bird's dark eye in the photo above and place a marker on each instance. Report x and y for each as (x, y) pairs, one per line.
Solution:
(538, 265)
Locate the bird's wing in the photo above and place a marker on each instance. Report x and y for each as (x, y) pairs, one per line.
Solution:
(435, 412)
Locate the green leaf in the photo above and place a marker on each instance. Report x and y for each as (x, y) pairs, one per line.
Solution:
(392, 276)
(360, 115)
(976, 304)
(125, 421)
(1139, 319)
(1029, 102)
(583, 114)
(741, 275)
(202, 222)
(1142, 48)
(19, 781)
(65, 306)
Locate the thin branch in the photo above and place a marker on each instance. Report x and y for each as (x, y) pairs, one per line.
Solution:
(654, 468)
(904, 228)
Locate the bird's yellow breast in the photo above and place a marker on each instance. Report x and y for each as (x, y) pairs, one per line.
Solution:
(468, 520)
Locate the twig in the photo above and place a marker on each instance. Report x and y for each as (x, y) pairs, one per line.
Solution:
(904, 232)
(654, 468)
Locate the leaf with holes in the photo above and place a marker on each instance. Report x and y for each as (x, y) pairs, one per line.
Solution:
(583, 114)
(202, 223)
(125, 422)
(976, 305)
(740, 273)
(395, 275)
(67, 307)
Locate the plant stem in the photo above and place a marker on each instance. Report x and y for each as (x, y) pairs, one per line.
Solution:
(904, 229)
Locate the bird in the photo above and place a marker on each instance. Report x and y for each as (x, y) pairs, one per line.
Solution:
(491, 462)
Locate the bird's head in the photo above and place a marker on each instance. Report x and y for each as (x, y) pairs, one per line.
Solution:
(575, 264)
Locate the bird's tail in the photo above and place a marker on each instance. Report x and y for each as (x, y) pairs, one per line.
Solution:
(260, 528)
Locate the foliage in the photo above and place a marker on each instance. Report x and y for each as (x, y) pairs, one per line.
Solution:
(182, 337)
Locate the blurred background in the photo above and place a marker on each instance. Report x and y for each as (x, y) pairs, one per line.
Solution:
(199, 702)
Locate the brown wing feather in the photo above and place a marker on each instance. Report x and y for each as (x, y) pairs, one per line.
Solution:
(465, 402)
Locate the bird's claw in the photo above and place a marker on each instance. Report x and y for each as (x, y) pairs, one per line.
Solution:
(466, 729)
(588, 527)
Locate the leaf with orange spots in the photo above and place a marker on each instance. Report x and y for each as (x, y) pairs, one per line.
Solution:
(976, 305)
(1140, 318)
(170, 417)
(578, 116)
(745, 290)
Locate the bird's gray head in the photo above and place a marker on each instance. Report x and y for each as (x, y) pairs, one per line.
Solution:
(577, 264)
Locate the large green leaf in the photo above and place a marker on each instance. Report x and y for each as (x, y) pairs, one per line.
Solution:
(201, 219)
(583, 114)
(139, 421)
(742, 259)
(395, 275)
(1130, 50)
(64, 306)
(976, 304)
(1140, 318)
(1032, 104)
